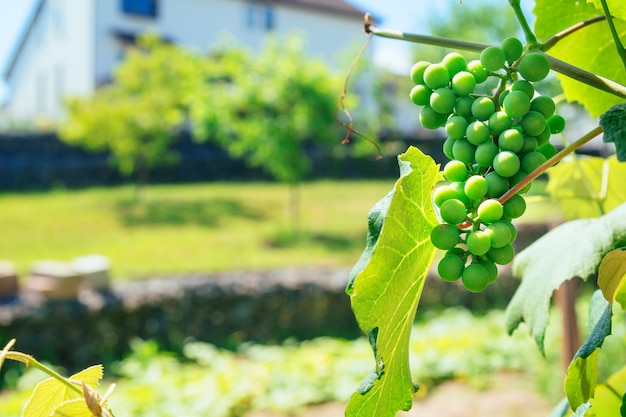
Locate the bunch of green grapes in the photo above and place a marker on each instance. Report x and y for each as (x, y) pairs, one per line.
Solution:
(493, 142)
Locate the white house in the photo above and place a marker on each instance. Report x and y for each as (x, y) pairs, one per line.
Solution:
(69, 47)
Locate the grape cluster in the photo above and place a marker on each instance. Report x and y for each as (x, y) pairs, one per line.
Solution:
(493, 142)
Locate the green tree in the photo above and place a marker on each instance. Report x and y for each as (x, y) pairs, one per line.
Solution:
(138, 115)
(269, 109)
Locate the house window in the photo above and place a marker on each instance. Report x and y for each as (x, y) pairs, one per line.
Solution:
(260, 16)
(140, 7)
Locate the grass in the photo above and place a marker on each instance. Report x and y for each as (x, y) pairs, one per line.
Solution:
(190, 228)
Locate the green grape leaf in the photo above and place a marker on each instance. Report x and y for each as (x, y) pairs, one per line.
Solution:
(611, 276)
(73, 408)
(587, 186)
(600, 314)
(386, 284)
(591, 48)
(51, 392)
(608, 398)
(617, 7)
(614, 124)
(573, 249)
(580, 380)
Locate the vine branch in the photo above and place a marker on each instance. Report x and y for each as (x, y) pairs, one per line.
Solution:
(618, 43)
(570, 30)
(528, 32)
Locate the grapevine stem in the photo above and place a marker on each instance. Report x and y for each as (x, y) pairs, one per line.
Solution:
(550, 162)
(528, 32)
(618, 43)
(570, 30)
(427, 39)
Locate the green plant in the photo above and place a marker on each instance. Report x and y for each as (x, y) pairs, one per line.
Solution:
(501, 139)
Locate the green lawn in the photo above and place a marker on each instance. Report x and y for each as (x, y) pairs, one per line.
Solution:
(189, 228)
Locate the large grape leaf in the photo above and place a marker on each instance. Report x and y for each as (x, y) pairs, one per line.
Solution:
(611, 276)
(617, 7)
(577, 184)
(591, 48)
(386, 283)
(608, 398)
(573, 249)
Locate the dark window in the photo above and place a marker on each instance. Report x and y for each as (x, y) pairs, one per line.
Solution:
(269, 17)
(140, 7)
(260, 16)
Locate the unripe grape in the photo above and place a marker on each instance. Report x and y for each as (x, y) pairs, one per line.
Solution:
(454, 63)
(463, 151)
(544, 105)
(490, 211)
(445, 236)
(514, 207)
(506, 163)
(548, 150)
(516, 104)
(496, 184)
(455, 171)
(533, 123)
(476, 187)
(532, 161)
(443, 193)
(477, 132)
(556, 123)
(447, 147)
(524, 86)
(463, 107)
(442, 100)
(492, 58)
(499, 234)
(499, 122)
(479, 72)
(512, 48)
(503, 255)
(485, 152)
(511, 140)
(530, 145)
(502, 96)
(436, 76)
(430, 119)
(463, 83)
(420, 95)
(478, 243)
(459, 187)
(534, 66)
(512, 229)
(451, 267)
(417, 71)
(475, 277)
(518, 177)
(491, 268)
(453, 211)
(456, 126)
(544, 136)
(483, 108)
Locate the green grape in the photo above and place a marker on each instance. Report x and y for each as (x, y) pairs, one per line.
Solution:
(530, 145)
(483, 108)
(459, 187)
(442, 100)
(511, 140)
(460, 252)
(485, 152)
(475, 187)
(443, 193)
(502, 96)
(533, 123)
(478, 243)
(548, 150)
(436, 76)
(496, 184)
(532, 161)
(454, 62)
(512, 229)
(463, 151)
(506, 163)
(544, 105)
(455, 171)
(417, 71)
(534, 66)
(456, 126)
(445, 236)
(477, 132)
(491, 268)
(447, 147)
(475, 277)
(544, 136)
(514, 207)
(453, 211)
(499, 122)
(503, 255)
(492, 58)
(479, 72)
(451, 267)
(463, 83)
(524, 86)
(520, 176)
(463, 107)
(430, 119)
(490, 211)
(556, 123)
(516, 104)
(499, 234)
(512, 48)
(420, 95)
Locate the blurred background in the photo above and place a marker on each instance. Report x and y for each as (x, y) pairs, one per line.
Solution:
(176, 202)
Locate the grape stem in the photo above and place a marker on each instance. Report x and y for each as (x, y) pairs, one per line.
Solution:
(570, 30)
(574, 72)
(618, 43)
(549, 163)
(530, 36)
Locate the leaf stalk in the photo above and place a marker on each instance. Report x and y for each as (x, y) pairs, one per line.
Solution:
(618, 43)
